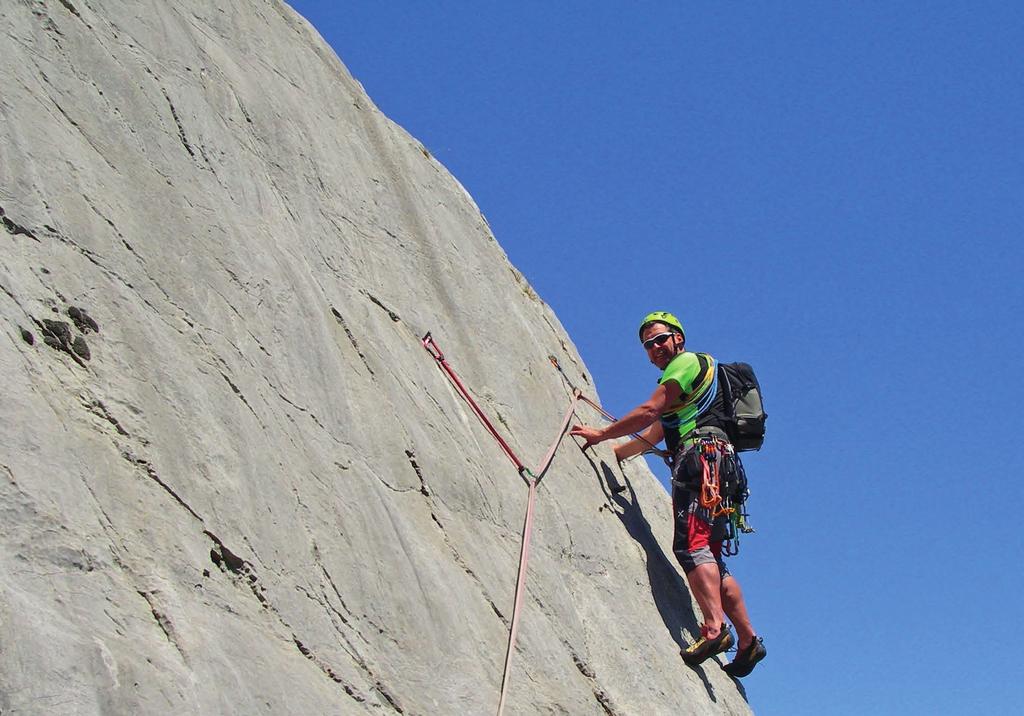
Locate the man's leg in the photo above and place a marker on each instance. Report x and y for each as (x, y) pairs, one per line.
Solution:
(707, 590)
(736, 609)
(750, 649)
(732, 594)
(692, 546)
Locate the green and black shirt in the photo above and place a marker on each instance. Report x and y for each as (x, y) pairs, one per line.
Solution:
(697, 377)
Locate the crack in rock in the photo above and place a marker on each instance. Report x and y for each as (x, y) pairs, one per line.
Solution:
(145, 466)
(341, 600)
(424, 488)
(237, 391)
(352, 651)
(164, 622)
(459, 559)
(181, 129)
(600, 695)
(71, 8)
(328, 671)
(301, 409)
(242, 569)
(14, 228)
(351, 338)
(228, 561)
(388, 696)
(391, 314)
(223, 557)
(349, 690)
(96, 407)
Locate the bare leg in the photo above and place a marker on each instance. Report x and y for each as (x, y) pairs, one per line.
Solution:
(708, 591)
(736, 608)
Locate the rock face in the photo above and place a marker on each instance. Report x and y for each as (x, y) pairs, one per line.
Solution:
(231, 478)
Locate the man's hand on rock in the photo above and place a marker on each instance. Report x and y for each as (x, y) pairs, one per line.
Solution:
(592, 436)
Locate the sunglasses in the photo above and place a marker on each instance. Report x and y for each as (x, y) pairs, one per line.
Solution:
(657, 340)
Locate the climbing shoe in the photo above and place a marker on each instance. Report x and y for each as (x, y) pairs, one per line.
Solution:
(705, 648)
(745, 659)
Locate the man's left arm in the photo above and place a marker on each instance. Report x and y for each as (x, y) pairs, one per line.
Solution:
(647, 440)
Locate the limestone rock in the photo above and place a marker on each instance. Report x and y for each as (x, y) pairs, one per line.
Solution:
(253, 490)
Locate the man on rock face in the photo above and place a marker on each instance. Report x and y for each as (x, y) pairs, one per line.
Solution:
(683, 411)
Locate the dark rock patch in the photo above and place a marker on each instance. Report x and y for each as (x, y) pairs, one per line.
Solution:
(57, 334)
(83, 321)
(81, 348)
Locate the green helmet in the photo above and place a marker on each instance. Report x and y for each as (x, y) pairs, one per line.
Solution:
(661, 317)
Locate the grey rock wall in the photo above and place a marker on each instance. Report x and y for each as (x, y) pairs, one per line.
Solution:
(231, 478)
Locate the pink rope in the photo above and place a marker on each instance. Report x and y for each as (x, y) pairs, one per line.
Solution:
(524, 553)
(435, 351)
(524, 556)
(546, 462)
(532, 480)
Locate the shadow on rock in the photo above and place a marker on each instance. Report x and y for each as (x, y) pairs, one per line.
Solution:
(671, 593)
(702, 671)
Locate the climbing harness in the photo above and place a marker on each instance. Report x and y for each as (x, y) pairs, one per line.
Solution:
(532, 479)
(722, 484)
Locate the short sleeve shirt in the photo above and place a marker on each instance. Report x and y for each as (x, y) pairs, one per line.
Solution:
(697, 377)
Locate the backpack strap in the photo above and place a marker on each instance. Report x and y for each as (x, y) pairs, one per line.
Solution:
(720, 416)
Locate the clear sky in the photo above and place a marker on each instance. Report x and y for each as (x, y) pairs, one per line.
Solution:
(832, 192)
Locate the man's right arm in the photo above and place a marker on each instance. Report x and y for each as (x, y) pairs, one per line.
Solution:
(642, 417)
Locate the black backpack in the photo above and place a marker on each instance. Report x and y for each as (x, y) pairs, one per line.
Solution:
(745, 422)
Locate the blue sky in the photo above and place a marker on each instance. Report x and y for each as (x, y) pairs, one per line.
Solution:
(832, 192)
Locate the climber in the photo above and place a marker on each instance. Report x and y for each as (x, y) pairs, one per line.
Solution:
(683, 411)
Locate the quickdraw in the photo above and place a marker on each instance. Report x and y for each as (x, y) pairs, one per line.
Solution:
(712, 453)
